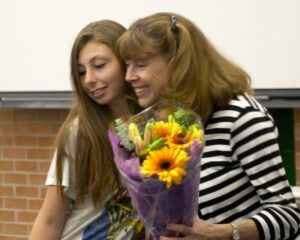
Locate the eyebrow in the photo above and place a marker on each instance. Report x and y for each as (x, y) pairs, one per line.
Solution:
(96, 57)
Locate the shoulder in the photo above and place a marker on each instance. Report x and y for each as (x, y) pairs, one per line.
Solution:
(73, 127)
(68, 135)
(242, 110)
(245, 102)
(73, 133)
(240, 105)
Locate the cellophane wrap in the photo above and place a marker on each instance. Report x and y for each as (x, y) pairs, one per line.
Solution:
(166, 199)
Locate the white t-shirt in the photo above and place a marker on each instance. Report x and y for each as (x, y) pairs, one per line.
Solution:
(113, 219)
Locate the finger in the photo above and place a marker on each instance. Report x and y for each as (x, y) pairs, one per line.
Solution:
(173, 238)
(168, 238)
(185, 230)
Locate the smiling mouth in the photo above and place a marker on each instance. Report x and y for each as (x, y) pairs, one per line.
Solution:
(140, 90)
(98, 92)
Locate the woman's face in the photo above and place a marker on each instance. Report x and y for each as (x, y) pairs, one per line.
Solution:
(101, 74)
(148, 78)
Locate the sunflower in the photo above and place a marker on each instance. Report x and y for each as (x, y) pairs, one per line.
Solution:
(166, 129)
(196, 133)
(167, 163)
(187, 139)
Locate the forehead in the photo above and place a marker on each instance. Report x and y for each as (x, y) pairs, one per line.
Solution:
(94, 49)
(131, 46)
(154, 60)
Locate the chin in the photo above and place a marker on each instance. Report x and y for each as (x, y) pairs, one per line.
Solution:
(144, 103)
(101, 101)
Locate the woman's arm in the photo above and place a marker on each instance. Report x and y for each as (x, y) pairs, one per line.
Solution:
(49, 222)
(260, 158)
(204, 230)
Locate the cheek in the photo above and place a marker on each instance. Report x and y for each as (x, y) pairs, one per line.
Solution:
(160, 83)
(116, 76)
(119, 87)
(118, 82)
(83, 86)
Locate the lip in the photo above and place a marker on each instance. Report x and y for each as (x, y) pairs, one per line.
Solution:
(98, 92)
(140, 90)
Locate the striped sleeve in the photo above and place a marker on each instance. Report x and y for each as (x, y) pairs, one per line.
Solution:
(254, 145)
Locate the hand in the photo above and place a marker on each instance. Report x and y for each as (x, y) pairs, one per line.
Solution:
(200, 230)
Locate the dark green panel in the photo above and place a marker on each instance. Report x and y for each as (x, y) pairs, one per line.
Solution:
(284, 119)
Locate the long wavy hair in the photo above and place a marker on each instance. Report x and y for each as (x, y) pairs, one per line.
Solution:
(93, 158)
(200, 76)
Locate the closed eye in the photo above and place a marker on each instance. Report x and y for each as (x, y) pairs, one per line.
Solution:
(99, 66)
(136, 64)
(140, 65)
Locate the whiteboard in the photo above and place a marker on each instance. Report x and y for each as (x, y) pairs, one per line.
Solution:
(262, 36)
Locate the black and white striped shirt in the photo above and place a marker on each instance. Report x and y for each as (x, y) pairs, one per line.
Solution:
(242, 173)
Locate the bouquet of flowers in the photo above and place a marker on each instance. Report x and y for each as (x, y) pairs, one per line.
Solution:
(158, 154)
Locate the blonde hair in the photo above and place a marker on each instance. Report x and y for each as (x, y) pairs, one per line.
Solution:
(93, 161)
(201, 77)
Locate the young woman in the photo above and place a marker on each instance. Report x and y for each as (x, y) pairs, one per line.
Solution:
(85, 199)
(244, 192)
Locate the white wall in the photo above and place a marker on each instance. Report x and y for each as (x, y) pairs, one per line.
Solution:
(263, 36)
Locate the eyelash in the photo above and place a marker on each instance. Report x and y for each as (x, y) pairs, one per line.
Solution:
(139, 65)
(97, 66)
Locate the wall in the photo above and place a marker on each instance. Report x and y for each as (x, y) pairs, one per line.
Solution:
(261, 36)
(26, 147)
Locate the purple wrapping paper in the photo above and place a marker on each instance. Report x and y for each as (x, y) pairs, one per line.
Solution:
(155, 204)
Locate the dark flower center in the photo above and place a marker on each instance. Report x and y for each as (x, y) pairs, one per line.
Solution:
(178, 139)
(165, 165)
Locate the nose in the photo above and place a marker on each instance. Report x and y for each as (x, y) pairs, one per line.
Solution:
(130, 74)
(90, 77)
